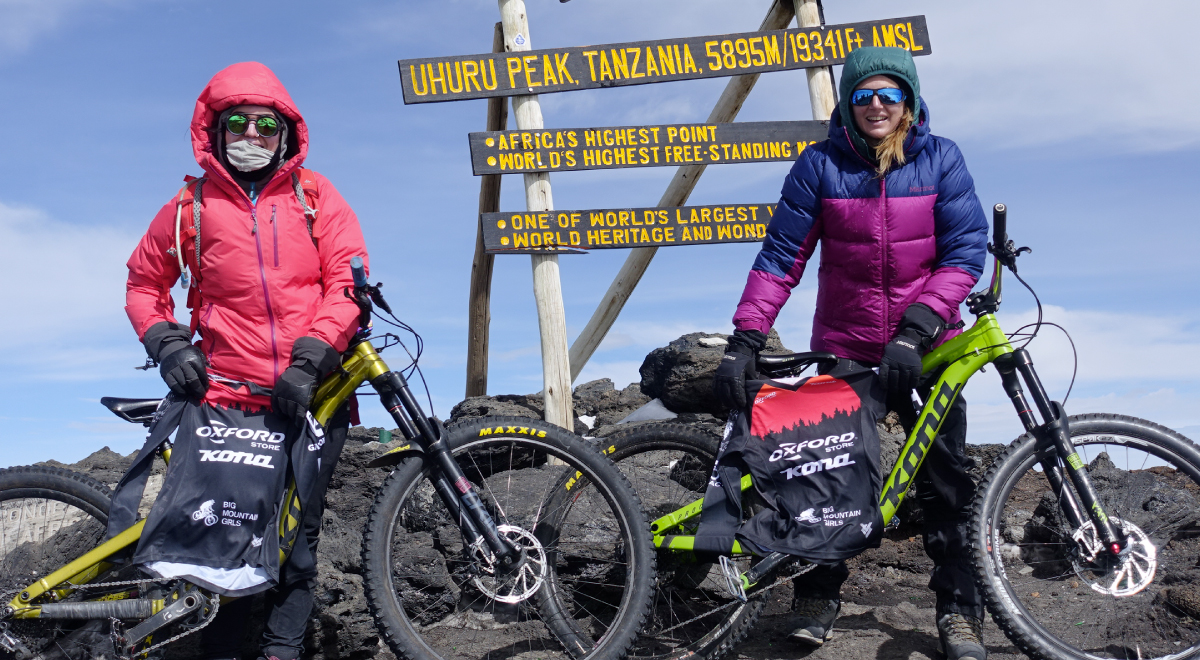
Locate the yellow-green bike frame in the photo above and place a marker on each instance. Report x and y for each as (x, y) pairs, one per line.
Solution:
(954, 363)
(363, 364)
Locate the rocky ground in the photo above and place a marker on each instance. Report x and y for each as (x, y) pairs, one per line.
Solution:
(888, 611)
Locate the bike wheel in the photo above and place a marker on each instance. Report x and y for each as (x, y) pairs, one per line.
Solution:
(48, 517)
(586, 590)
(693, 614)
(1052, 600)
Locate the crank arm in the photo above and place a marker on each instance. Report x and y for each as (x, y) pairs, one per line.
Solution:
(189, 601)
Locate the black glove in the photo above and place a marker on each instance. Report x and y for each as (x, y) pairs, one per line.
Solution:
(729, 383)
(900, 368)
(181, 364)
(312, 360)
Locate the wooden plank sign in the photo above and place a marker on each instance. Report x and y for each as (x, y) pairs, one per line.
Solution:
(569, 149)
(433, 79)
(575, 231)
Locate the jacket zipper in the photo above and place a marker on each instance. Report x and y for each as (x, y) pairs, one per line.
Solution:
(204, 325)
(262, 271)
(886, 293)
(274, 236)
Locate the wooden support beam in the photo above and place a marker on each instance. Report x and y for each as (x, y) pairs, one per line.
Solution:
(547, 288)
(820, 79)
(479, 313)
(677, 193)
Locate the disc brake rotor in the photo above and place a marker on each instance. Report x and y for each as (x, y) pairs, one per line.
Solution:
(1125, 575)
(521, 583)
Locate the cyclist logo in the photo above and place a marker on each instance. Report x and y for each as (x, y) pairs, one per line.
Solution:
(808, 517)
(205, 512)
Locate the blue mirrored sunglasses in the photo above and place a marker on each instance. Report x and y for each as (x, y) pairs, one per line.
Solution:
(887, 96)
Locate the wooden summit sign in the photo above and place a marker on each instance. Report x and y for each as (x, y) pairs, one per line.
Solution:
(455, 78)
(573, 231)
(568, 149)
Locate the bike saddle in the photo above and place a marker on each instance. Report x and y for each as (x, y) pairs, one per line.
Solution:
(791, 363)
(139, 411)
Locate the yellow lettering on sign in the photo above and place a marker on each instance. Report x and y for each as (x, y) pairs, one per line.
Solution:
(529, 71)
(619, 64)
(889, 36)
(829, 41)
(902, 36)
(651, 65)
(605, 69)
(912, 37)
(757, 56)
(709, 47)
(591, 55)
(450, 77)
(689, 64)
(637, 56)
(815, 40)
(713, 152)
(686, 237)
(441, 77)
(560, 65)
(773, 51)
(514, 67)
(742, 49)
(548, 71)
(723, 232)
(470, 75)
(666, 59)
(412, 74)
(495, 84)
(520, 240)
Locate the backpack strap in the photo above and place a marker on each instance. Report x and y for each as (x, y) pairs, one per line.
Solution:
(177, 250)
(305, 185)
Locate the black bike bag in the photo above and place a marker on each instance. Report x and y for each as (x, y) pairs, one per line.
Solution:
(812, 448)
(216, 520)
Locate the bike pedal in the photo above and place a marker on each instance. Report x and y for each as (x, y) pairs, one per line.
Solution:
(733, 579)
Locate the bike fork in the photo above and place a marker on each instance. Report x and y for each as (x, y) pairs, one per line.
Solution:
(451, 484)
(1054, 444)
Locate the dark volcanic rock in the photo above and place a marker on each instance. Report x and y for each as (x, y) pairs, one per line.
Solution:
(681, 373)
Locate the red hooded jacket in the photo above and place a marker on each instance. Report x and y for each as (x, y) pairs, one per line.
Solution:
(263, 282)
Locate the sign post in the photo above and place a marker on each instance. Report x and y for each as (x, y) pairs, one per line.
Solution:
(821, 91)
(479, 313)
(547, 287)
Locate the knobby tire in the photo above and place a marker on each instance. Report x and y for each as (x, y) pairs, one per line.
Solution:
(421, 584)
(669, 464)
(1041, 594)
(48, 517)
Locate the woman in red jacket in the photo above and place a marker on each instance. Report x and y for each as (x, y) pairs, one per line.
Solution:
(268, 246)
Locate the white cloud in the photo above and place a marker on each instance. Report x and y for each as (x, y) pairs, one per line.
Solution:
(65, 290)
(23, 21)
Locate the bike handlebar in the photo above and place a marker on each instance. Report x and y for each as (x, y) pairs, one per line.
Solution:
(999, 225)
(359, 273)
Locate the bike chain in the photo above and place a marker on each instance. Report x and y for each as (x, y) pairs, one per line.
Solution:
(215, 601)
(731, 603)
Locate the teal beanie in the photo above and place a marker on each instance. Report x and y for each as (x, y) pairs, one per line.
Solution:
(872, 61)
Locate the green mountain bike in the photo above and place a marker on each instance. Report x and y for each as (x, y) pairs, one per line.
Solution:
(1085, 531)
(478, 544)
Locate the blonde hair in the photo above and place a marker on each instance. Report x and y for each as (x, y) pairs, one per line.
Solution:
(891, 148)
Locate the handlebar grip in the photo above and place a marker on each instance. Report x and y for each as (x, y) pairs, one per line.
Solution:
(357, 270)
(999, 225)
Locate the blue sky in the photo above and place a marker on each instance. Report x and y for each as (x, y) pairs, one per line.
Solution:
(1080, 124)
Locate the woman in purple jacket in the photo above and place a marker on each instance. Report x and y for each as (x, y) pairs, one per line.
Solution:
(903, 240)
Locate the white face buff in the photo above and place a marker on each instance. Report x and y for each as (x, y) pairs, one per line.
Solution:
(247, 156)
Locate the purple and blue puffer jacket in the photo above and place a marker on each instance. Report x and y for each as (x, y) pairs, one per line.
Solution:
(918, 235)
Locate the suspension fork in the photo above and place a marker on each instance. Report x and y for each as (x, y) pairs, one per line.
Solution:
(449, 481)
(1055, 446)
